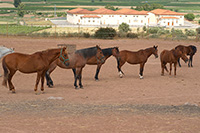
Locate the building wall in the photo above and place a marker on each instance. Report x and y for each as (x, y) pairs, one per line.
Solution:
(115, 19)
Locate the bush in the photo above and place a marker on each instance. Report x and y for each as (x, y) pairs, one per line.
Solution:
(105, 33)
(86, 35)
(190, 16)
(190, 33)
(198, 30)
(124, 27)
(199, 21)
(132, 35)
(153, 30)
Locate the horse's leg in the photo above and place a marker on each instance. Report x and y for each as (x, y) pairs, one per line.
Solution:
(162, 67)
(37, 81)
(170, 69)
(141, 70)
(97, 72)
(76, 77)
(190, 61)
(179, 62)
(42, 81)
(119, 65)
(80, 78)
(74, 72)
(11, 86)
(52, 67)
(175, 69)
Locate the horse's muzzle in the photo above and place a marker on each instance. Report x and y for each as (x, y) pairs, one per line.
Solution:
(66, 64)
(156, 56)
(186, 60)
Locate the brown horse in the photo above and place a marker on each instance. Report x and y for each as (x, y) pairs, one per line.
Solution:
(35, 63)
(139, 57)
(77, 62)
(188, 50)
(171, 57)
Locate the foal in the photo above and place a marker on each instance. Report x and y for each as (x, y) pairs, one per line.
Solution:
(171, 57)
(139, 57)
(188, 50)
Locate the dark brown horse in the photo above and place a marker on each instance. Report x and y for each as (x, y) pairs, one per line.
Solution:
(139, 57)
(77, 62)
(35, 63)
(188, 50)
(171, 57)
(107, 52)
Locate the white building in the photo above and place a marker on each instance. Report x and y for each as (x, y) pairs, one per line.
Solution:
(132, 17)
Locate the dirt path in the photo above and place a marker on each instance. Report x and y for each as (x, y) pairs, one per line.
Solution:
(154, 104)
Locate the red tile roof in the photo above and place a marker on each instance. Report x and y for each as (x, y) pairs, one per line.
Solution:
(127, 11)
(89, 16)
(165, 12)
(80, 11)
(104, 11)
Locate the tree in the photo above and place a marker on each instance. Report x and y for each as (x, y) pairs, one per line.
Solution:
(124, 27)
(190, 16)
(110, 7)
(21, 11)
(16, 3)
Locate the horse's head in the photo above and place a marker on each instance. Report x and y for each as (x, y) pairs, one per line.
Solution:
(155, 51)
(99, 55)
(179, 54)
(115, 52)
(64, 56)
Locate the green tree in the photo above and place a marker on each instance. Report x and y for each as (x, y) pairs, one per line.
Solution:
(20, 11)
(124, 27)
(110, 7)
(16, 3)
(190, 16)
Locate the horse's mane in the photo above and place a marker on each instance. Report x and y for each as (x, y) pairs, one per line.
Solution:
(87, 52)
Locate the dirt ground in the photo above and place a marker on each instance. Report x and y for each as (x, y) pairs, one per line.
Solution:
(112, 104)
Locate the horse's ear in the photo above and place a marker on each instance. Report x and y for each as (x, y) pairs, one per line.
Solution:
(97, 46)
(155, 47)
(64, 48)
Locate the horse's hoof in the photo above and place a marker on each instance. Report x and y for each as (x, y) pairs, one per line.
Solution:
(42, 92)
(81, 87)
(141, 77)
(76, 88)
(96, 79)
(121, 74)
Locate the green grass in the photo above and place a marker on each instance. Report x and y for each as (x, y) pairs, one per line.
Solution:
(18, 29)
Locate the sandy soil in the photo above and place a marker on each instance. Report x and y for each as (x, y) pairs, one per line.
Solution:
(154, 104)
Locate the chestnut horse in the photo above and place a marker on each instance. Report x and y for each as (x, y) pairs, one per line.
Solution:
(139, 57)
(171, 57)
(77, 61)
(34, 63)
(188, 50)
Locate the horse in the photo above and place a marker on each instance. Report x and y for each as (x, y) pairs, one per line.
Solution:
(138, 57)
(31, 63)
(4, 51)
(188, 50)
(77, 60)
(107, 52)
(171, 57)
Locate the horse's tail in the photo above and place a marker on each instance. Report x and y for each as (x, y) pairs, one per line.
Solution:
(5, 78)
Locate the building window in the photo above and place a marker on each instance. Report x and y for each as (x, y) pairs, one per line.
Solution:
(120, 16)
(112, 15)
(136, 16)
(141, 21)
(125, 15)
(88, 20)
(145, 16)
(93, 21)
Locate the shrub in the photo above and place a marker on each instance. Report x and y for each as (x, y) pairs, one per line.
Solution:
(132, 35)
(190, 16)
(86, 35)
(153, 30)
(190, 33)
(124, 27)
(105, 33)
(198, 30)
(199, 21)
